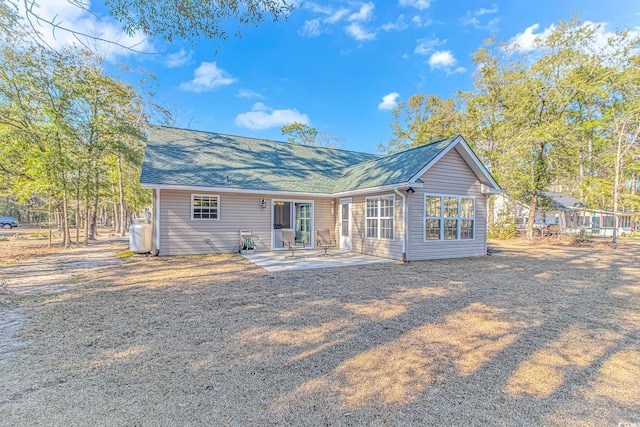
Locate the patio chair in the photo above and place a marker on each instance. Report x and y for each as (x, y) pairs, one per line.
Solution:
(289, 241)
(246, 242)
(324, 240)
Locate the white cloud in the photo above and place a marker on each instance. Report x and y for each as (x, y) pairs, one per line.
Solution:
(262, 117)
(444, 60)
(418, 4)
(249, 94)
(336, 16)
(208, 77)
(421, 23)
(485, 11)
(66, 15)
(357, 32)
(426, 46)
(311, 28)
(319, 25)
(178, 59)
(399, 25)
(472, 18)
(389, 102)
(525, 41)
(316, 26)
(364, 14)
(317, 8)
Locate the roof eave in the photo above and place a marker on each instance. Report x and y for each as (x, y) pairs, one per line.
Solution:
(388, 187)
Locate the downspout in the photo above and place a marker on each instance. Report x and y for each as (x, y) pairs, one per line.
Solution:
(404, 224)
(156, 221)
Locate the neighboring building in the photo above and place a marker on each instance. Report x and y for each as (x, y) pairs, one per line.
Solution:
(423, 203)
(566, 212)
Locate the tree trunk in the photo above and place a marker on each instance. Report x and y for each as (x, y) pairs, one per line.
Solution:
(122, 202)
(533, 206)
(78, 216)
(94, 212)
(616, 189)
(49, 219)
(66, 236)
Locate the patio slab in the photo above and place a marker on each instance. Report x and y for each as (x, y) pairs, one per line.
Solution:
(306, 260)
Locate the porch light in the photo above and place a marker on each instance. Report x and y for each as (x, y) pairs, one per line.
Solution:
(410, 190)
(263, 203)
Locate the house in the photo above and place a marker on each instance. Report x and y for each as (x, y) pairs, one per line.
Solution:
(423, 203)
(568, 213)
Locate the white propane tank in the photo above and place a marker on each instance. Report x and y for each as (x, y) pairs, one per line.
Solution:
(140, 236)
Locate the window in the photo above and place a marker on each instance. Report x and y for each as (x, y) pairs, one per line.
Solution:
(449, 217)
(205, 206)
(380, 217)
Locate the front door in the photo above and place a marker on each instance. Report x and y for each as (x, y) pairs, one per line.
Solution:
(345, 224)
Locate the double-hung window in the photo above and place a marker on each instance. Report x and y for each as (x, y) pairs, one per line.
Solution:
(380, 217)
(205, 206)
(449, 217)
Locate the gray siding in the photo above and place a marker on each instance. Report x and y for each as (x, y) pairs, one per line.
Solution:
(180, 235)
(449, 176)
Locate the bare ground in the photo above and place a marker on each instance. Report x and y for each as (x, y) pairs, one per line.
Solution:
(532, 335)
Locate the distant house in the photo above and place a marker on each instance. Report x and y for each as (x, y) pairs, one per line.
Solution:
(423, 203)
(566, 212)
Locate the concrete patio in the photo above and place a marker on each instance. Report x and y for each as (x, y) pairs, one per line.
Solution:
(309, 259)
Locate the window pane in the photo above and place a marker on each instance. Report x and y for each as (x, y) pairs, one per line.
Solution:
(451, 207)
(386, 229)
(432, 206)
(450, 229)
(205, 207)
(432, 229)
(386, 207)
(466, 229)
(372, 228)
(466, 207)
(372, 208)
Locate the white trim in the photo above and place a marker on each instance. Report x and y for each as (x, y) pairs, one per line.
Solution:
(459, 140)
(341, 242)
(157, 218)
(393, 229)
(390, 187)
(404, 223)
(217, 218)
(195, 188)
(442, 218)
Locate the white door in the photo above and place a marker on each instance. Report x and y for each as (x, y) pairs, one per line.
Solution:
(345, 224)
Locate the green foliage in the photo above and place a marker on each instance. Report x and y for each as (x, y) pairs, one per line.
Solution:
(503, 231)
(63, 124)
(167, 19)
(568, 114)
(581, 237)
(300, 133)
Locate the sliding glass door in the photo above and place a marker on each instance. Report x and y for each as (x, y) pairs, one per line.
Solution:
(297, 216)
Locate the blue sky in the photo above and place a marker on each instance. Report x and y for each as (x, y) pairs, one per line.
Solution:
(338, 65)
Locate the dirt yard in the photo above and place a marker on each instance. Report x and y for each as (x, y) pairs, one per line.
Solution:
(531, 335)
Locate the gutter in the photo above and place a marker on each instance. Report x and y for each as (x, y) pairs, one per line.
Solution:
(404, 224)
(156, 222)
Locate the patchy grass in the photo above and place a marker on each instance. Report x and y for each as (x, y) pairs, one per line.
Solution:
(532, 335)
(124, 254)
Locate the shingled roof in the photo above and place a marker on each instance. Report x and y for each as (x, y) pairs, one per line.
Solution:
(180, 157)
